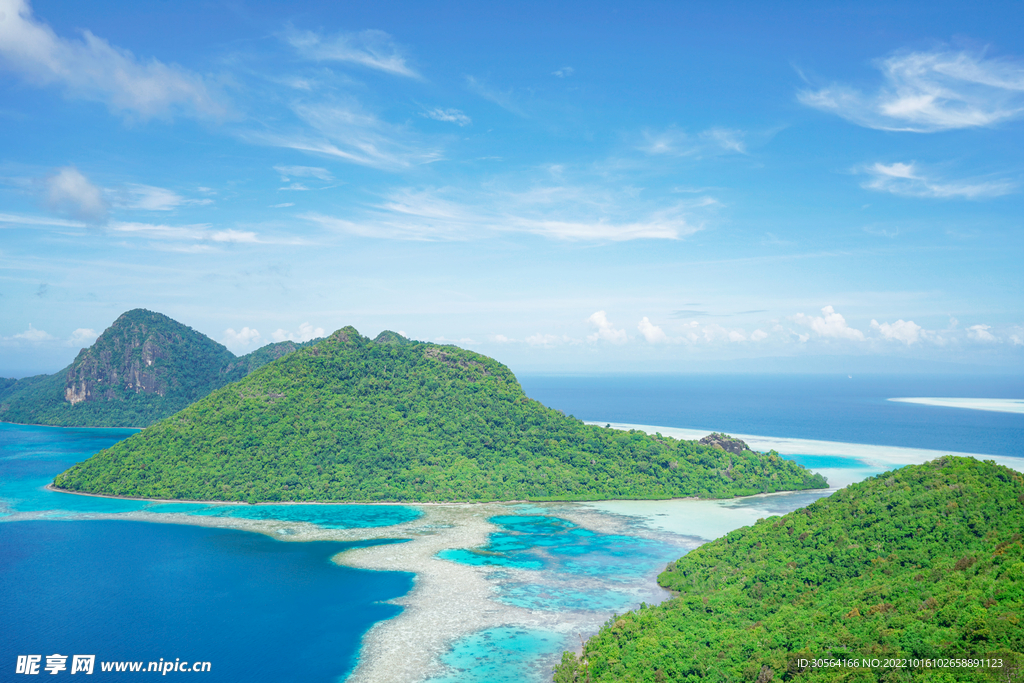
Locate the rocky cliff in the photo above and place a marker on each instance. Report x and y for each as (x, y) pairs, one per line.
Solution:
(144, 367)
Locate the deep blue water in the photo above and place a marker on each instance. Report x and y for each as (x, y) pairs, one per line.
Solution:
(821, 407)
(257, 609)
(260, 609)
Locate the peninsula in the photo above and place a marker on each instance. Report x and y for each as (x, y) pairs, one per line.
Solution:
(918, 565)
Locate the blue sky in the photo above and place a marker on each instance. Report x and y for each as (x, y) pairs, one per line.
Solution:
(566, 187)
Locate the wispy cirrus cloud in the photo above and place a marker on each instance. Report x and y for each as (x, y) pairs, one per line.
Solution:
(448, 115)
(15, 219)
(289, 172)
(908, 180)
(200, 232)
(561, 212)
(93, 69)
(71, 193)
(150, 198)
(675, 142)
(345, 131)
(930, 91)
(371, 48)
(506, 99)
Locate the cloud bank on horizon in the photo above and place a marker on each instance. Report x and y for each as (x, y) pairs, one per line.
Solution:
(685, 192)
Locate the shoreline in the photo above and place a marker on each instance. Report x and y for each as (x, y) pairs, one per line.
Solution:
(30, 424)
(50, 487)
(449, 600)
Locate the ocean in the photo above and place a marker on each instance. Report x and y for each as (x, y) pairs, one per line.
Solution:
(836, 408)
(80, 575)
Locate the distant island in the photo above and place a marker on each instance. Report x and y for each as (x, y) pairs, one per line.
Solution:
(391, 419)
(921, 564)
(143, 368)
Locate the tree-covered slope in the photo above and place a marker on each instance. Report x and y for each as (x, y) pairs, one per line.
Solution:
(352, 419)
(925, 562)
(144, 367)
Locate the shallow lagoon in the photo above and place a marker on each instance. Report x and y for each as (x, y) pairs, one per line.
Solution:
(545, 575)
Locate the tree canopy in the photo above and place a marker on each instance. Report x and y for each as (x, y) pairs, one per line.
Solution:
(916, 565)
(351, 419)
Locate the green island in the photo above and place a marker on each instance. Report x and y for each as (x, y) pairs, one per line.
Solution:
(143, 368)
(922, 563)
(390, 419)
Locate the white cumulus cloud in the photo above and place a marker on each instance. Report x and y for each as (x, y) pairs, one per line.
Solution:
(981, 333)
(605, 330)
(829, 324)
(906, 331)
(33, 335)
(304, 334)
(82, 337)
(652, 333)
(242, 340)
(547, 340)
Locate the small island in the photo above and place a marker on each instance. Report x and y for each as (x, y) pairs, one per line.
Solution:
(350, 419)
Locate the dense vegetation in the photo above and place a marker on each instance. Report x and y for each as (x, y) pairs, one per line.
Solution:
(352, 419)
(925, 562)
(143, 368)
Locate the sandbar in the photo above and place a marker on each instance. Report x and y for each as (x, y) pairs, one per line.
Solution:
(877, 458)
(994, 405)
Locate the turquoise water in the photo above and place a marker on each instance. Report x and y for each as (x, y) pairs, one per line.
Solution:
(30, 457)
(324, 516)
(501, 655)
(814, 462)
(564, 569)
(562, 548)
(562, 599)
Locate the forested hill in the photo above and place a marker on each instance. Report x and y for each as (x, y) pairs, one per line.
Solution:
(144, 367)
(922, 563)
(351, 419)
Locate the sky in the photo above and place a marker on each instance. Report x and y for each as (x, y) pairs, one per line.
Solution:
(566, 187)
